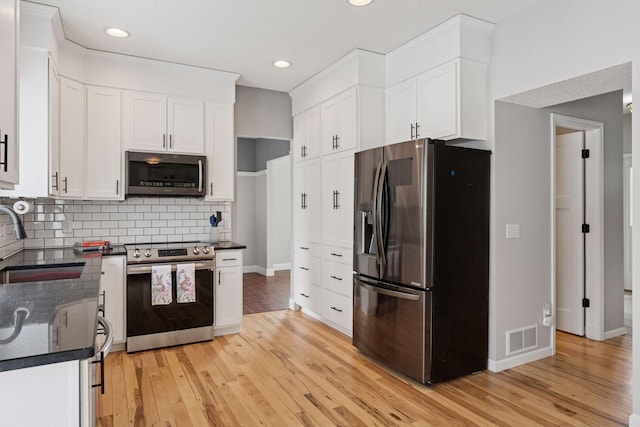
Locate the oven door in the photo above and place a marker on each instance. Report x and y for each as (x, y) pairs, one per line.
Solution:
(144, 318)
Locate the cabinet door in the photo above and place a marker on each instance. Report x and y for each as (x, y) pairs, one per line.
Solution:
(9, 94)
(72, 143)
(329, 125)
(401, 111)
(347, 136)
(185, 125)
(437, 92)
(337, 199)
(104, 152)
(228, 301)
(54, 130)
(306, 134)
(145, 121)
(307, 202)
(220, 149)
(112, 282)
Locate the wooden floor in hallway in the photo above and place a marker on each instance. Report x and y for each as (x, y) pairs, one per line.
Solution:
(265, 293)
(287, 368)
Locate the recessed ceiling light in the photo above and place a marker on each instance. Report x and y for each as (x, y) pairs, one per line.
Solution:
(360, 2)
(116, 32)
(281, 63)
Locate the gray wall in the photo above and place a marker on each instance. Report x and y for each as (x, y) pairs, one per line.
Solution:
(522, 187)
(253, 154)
(261, 113)
(244, 227)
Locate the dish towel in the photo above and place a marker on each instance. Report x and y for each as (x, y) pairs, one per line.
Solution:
(161, 285)
(186, 282)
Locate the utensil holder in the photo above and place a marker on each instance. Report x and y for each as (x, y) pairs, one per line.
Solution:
(213, 234)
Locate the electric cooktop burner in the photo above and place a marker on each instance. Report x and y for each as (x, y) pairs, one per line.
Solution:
(168, 252)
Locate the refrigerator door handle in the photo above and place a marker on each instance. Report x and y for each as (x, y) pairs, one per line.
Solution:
(380, 219)
(389, 292)
(374, 211)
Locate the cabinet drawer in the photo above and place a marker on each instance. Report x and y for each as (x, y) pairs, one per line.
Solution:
(308, 270)
(301, 249)
(228, 258)
(337, 277)
(307, 296)
(338, 254)
(337, 309)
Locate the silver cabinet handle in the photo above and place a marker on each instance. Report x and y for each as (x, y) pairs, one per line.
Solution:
(170, 141)
(117, 187)
(304, 268)
(55, 186)
(417, 130)
(5, 142)
(229, 259)
(211, 186)
(164, 140)
(304, 295)
(336, 278)
(304, 248)
(334, 254)
(339, 310)
(219, 272)
(66, 183)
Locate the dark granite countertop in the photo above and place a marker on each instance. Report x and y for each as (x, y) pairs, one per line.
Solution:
(220, 246)
(59, 288)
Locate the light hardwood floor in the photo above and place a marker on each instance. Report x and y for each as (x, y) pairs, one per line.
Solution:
(286, 368)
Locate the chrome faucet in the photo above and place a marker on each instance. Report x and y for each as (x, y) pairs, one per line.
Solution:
(18, 229)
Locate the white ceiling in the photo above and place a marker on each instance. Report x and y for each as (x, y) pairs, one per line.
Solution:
(246, 36)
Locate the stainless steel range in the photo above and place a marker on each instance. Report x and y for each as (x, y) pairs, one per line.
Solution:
(169, 294)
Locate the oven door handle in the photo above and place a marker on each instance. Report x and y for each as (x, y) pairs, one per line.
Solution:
(141, 269)
(108, 332)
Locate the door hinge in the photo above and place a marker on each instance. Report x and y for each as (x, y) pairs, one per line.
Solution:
(585, 302)
(585, 154)
(585, 228)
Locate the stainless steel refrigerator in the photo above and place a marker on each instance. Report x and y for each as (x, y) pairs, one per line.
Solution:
(421, 258)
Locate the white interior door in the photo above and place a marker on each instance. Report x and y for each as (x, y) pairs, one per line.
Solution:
(569, 236)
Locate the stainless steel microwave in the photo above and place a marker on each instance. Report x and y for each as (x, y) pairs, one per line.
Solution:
(164, 174)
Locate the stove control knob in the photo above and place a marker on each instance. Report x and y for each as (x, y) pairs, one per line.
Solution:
(136, 253)
(147, 253)
(196, 250)
(205, 250)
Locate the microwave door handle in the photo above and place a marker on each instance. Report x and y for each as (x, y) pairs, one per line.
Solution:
(199, 175)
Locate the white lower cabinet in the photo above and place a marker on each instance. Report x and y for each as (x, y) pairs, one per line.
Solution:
(307, 296)
(338, 310)
(228, 292)
(112, 284)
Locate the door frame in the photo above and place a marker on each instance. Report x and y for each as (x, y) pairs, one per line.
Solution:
(594, 141)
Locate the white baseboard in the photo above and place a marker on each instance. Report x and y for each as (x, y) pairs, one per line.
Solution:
(614, 333)
(520, 359)
(634, 420)
(264, 271)
(293, 305)
(283, 266)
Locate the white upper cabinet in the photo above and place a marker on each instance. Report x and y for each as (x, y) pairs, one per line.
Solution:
(54, 130)
(103, 148)
(154, 122)
(9, 141)
(220, 151)
(185, 125)
(339, 122)
(72, 138)
(446, 102)
(306, 134)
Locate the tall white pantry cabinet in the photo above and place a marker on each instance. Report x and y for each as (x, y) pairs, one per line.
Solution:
(434, 86)
(329, 127)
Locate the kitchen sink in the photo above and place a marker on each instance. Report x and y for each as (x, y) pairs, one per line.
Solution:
(41, 272)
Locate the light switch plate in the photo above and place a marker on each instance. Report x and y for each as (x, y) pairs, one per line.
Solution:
(513, 231)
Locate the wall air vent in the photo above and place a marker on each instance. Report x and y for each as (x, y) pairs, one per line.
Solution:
(519, 340)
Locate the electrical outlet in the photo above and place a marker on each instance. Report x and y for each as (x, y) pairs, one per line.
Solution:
(513, 231)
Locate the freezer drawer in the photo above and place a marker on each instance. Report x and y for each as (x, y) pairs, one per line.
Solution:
(391, 325)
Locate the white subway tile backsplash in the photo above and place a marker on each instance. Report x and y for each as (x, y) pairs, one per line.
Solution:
(135, 220)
